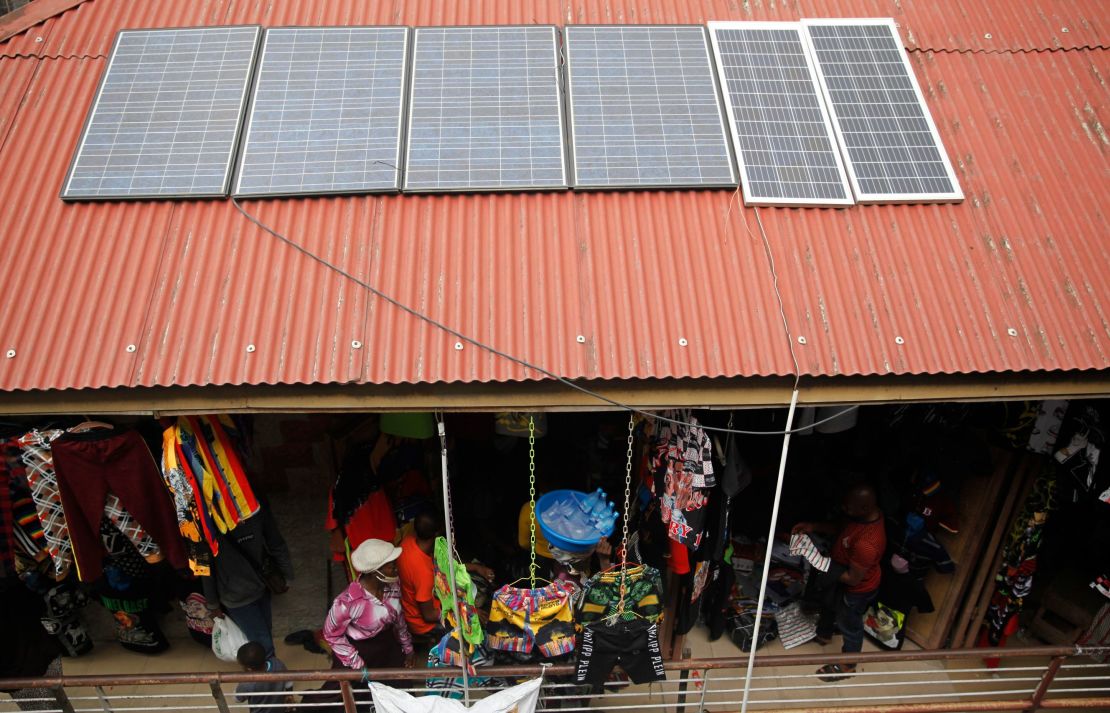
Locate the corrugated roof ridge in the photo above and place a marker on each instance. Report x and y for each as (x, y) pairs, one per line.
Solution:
(1022, 50)
(32, 15)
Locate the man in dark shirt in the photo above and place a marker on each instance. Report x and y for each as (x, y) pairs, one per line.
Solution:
(858, 549)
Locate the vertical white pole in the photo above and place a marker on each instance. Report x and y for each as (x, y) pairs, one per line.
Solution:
(770, 547)
(449, 532)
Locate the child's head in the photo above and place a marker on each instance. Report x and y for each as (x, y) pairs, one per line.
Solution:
(252, 656)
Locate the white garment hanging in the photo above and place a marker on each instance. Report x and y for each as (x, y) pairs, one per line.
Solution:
(518, 699)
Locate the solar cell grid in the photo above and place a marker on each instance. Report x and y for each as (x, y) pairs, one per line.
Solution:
(644, 107)
(166, 118)
(893, 149)
(784, 143)
(485, 110)
(326, 111)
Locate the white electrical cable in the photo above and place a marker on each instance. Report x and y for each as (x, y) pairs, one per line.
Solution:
(539, 369)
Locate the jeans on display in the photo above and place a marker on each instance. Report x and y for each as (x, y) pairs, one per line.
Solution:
(256, 621)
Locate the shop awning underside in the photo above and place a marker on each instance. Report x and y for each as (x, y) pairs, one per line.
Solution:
(626, 288)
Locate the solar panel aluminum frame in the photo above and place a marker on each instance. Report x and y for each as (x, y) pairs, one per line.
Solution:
(834, 142)
(569, 109)
(877, 198)
(233, 154)
(401, 129)
(559, 87)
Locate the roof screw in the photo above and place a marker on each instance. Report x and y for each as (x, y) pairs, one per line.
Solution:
(682, 342)
(580, 339)
(130, 348)
(801, 340)
(1012, 332)
(899, 340)
(39, 39)
(10, 354)
(987, 36)
(356, 344)
(1063, 29)
(458, 346)
(250, 349)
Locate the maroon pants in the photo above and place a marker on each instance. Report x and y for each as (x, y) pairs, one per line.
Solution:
(90, 464)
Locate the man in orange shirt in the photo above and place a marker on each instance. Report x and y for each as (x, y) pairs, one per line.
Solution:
(417, 571)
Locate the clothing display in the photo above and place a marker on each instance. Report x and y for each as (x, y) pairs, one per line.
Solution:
(90, 464)
(197, 618)
(632, 645)
(795, 627)
(1014, 580)
(682, 473)
(643, 595)
(521, 698)
(801, 545)
(445, 654)
(464, 590)
(541, 618)
(125, 591)
(207, 451)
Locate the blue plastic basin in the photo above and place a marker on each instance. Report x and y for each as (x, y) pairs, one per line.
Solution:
(554, 538)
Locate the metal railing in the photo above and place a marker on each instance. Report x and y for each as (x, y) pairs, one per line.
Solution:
(1027, 679)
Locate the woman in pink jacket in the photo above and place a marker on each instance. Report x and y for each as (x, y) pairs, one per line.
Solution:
(366, 627)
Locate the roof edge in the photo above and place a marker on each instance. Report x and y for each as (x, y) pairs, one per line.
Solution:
(649, 394)
(24, 18)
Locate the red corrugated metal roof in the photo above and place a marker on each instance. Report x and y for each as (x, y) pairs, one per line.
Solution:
(191, 284)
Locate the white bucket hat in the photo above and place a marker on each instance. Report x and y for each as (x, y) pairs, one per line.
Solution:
(371, 555)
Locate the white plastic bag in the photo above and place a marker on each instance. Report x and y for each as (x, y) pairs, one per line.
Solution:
(226, 638)
(518, 699)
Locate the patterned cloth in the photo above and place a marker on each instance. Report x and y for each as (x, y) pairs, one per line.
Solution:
(358, 615)
(682, 466)
(542, 618)
(40, 476)
(203, 471)
(199, 542)
(466, 592)
(643, 595)
(43, 482)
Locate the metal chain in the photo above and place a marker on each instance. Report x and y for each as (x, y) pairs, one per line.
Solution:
(624, 524)
(532, 500)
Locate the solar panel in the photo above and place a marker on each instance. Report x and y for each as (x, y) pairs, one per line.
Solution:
(485, 110)
(893, 150)
(780, 128)
(166, 118)
(326, 110)
(644, 108)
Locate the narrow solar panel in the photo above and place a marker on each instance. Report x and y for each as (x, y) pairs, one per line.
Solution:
(484, 110)
(326, 110)
(166, 118)
(780, 127)
(893, 149)
(644, 108)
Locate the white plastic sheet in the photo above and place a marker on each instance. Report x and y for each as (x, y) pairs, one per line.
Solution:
(518, 699)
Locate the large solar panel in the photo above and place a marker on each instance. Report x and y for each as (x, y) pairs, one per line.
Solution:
(644, 108)
(325, 113)
(780, 127)
(166, 118)
(894, 152)
(484, 110)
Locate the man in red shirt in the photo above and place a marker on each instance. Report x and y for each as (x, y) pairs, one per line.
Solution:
(858, 549)
(417, 571)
